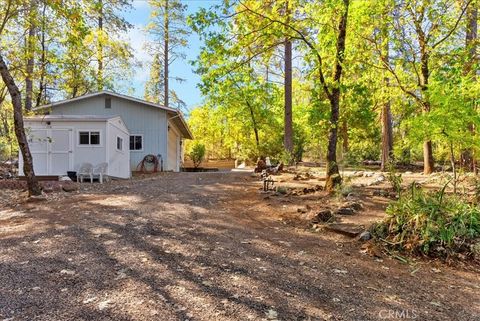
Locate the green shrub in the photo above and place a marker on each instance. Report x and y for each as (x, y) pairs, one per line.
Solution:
(197, 154)
(395, 179)
(431, 223)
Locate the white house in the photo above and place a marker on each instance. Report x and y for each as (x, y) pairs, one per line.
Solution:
(154, 129)
(62, 143)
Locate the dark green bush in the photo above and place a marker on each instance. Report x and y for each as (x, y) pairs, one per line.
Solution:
(431, 223)
(197, 154)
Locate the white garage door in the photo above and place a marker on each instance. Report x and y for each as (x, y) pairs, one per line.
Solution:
(51, 151)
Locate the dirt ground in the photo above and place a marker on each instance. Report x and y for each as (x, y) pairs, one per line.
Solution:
(211, 246)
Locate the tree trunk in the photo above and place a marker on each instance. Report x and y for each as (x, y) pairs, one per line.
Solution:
(165, 49)
(468, 155)
(254, 123)
(42, 87)
(428, 163)
(454, 168)
(33, 186)
(30, 43)
(100, 84)
(387, 135)
(345, 136)
(333, 175)
(288, 124)
(386, 113)
(288, 129)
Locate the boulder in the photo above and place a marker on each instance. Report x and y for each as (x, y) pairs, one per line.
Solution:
(324, 216)
(345, 211)
(357, 206)
(347, 229)
(365, 236)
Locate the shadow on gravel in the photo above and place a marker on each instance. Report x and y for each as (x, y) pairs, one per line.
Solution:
(196, 258)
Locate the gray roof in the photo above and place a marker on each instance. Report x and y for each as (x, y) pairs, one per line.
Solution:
(42, 118)
(176, 116)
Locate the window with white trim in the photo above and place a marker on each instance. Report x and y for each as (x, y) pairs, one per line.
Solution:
(119, 143)
(136, 142)
(89, 138)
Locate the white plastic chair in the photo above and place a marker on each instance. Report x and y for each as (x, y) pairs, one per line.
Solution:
(86, 169)
(100, 170)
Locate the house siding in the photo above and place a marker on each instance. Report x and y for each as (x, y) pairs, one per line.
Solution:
(140, 120)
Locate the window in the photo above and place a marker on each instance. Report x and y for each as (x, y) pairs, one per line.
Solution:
(88, 138)
(119, 143)
(136, 142)
(108, 102)
(84, 138)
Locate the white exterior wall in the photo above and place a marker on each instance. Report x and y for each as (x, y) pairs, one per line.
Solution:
(140, 119)
(79, 154)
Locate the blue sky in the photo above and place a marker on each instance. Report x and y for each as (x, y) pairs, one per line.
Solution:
(187, 90)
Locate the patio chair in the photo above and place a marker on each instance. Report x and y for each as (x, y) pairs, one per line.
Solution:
(86, 169)
(100, 171)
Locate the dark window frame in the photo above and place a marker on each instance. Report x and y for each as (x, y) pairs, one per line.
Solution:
(92, 138)
(119, 143)
(137, 143)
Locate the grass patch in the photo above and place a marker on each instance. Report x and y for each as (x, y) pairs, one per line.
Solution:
(431, 223)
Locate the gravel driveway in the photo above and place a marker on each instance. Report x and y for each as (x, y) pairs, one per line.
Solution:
(204, 246)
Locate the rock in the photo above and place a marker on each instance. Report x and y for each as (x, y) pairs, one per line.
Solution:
(368, 174)
(381, 192)
(408, 173)
(69, 188)
(365, 236)
(104, 305)
(475, 248)
(348, 229)
(345, 211)
(36, 198)
(358, 173)
(89, 300)
(272, 314)
(357, 206)
(380, 178)
(351, 197)
(324, 216)
(338, 271)
(67, 272)
(64, 179)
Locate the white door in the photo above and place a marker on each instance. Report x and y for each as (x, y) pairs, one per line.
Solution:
(172, 160)
(38, 143)
(60, 151)
(51, 151)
